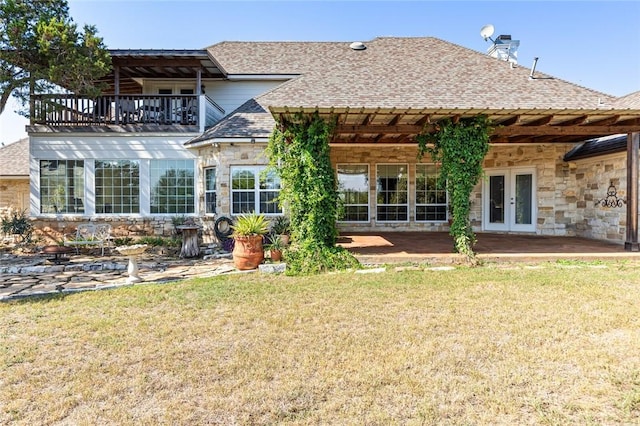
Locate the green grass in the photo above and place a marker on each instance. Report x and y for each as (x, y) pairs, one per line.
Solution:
(491, 345)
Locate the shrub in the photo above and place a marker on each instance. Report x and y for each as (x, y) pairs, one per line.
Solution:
(17, 223)
(160, 241)
(312, 258)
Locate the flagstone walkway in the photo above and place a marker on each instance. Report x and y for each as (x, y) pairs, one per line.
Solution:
(22, 276)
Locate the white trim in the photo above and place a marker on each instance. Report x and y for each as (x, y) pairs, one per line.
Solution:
(262, 76)
(393, 205)
(238, 140)
(214, 191)
(257, 169)
(368, 166)
(509, 224)
(415, 196)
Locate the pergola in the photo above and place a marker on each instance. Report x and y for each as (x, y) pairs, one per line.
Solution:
(390, 126)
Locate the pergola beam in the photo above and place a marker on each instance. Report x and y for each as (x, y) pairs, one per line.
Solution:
(514, 130)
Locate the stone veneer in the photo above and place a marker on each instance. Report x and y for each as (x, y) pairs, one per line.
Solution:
(51, 230)
(566, 192)
(14, 195)
(562, 208)
(555, 185)
(594, 177)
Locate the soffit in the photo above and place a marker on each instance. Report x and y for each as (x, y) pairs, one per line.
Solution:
(135, 65)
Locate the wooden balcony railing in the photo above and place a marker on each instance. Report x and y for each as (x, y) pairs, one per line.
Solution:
(73, 110)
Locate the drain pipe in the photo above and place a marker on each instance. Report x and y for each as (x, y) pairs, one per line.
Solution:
(533, 68)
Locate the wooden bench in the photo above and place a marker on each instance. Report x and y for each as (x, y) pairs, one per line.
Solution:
(89, 234)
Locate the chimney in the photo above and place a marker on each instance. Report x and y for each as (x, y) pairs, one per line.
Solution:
(505, 49)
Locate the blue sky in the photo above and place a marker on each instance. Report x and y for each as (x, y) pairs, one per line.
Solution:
(595, 43)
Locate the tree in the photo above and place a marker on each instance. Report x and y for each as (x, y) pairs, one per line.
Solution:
(41, 48)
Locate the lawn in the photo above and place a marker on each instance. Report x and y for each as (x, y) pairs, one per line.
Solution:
(554, 344)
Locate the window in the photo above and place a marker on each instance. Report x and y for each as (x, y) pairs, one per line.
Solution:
(253, 189)
(431, 194)
(117, 187)
(353, 192)
(210, 190)
(172, 186)
(61, 186)
(391, 193)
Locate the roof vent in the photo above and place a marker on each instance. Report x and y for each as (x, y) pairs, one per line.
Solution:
(357, 45)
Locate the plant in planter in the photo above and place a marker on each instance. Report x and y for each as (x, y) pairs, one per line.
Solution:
(248, 233)
(276, 247)
(282, 227)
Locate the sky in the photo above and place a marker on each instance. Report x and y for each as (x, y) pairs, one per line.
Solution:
(595, 44)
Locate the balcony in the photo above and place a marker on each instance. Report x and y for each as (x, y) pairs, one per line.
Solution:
(139, 112)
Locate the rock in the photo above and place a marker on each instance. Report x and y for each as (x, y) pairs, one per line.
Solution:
(272, 268)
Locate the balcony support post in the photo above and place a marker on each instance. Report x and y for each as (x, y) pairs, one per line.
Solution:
(116, 73)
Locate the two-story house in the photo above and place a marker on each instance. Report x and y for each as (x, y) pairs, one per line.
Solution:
(184, 132)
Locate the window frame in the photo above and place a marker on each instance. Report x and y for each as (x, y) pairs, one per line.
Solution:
(83, 192)
(368, 191)
(407, 204)
(95, 188)
(193, 188)
(257, 190)
(208, 191)
(416, 204)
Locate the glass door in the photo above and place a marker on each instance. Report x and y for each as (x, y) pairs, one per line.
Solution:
(509, 200)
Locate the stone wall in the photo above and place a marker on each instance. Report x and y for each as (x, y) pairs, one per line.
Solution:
(594, 178)
(52, 230)
(555, 183)
(562, 207)
(556, 191)
(14, 195)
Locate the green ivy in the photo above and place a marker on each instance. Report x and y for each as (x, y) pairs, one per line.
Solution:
(460, 148)
(298, 150)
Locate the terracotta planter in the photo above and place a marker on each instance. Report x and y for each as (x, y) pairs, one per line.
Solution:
(285, 239)
(276, 255)
(248, 252)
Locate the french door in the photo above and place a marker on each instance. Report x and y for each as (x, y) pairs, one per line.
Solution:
(509, 200)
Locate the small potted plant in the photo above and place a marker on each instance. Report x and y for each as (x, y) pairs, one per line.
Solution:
(282, 227)
(248, 233)
(276, 247)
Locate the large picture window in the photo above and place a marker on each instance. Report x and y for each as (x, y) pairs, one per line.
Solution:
(172, 186)
(61, 186)
(353, 192)
(117, 187)
(391, 193)
(253, 189)
(431, 194)
(210, 190)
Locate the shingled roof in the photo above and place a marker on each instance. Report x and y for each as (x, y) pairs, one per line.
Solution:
(14, 159)
(388, 91)
(249, 120)
(596, 147)
(417, 73)
(273, 58)
(631, 101)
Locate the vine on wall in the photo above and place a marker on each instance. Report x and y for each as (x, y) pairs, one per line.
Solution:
(298, 150)
(459, 147)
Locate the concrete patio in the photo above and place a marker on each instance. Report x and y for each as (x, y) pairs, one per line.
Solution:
(437, 247)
